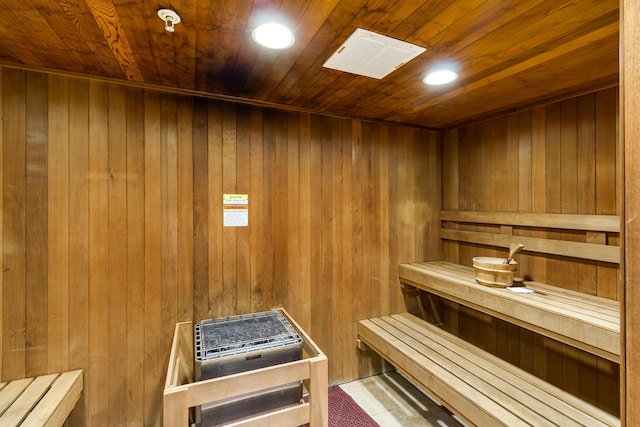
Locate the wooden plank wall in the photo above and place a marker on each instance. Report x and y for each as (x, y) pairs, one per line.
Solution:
(558, 158)
(630, 106)
(112, 228)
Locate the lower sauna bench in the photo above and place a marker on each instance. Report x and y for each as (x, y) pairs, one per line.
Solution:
(480, 388)
(46, 400)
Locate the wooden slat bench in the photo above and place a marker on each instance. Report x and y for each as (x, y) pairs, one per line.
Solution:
(480, 388)
(584, 321)
(46, 400)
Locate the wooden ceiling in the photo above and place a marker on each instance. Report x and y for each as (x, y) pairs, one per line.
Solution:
(509, 53)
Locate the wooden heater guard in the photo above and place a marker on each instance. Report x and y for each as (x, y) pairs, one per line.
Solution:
(181, 392)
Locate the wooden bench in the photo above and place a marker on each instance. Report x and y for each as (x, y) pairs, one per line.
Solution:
(480, 388)
(584, 321)
(46, 400)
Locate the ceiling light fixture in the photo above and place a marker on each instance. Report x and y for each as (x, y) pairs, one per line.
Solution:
(170, 19)
(273, 36)
(440, 77)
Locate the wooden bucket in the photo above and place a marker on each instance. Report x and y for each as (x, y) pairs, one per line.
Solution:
(491, 271)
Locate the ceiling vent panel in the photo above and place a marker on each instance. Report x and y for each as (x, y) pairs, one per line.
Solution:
(371, 54)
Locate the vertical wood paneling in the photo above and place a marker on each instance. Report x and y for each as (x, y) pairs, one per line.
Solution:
(280, 226)
(345, 203)
(332, 166)
(569, 204)
(365, 293)
(135, 258)
(326, 241)
(318, 332)
(200, 210)
(117, 258)
(127, 185)
(630, 107)
(337, 261)
(266, 267)
(566, 158)
(395, 296)
(112, 200)
(36, 217)
(551, 188)
(243, 186)
(79, 237)
(98, 377)
(305, 179)
(169, 213)
(382, 196)
(586, 202)
(607, 202)
(257, 205)
(184, 179)
(58, 226)
(538, 180)
(215, 161)
(229, 239)
(294, 255)
(606, 161)
(586, 155)
(14, 225)
(154, 338)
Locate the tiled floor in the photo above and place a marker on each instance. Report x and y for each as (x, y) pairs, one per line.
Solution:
(393, 401)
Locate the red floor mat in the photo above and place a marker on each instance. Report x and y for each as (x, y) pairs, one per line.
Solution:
(345, 412)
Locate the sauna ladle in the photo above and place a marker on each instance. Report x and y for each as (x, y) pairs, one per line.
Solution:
(513, 250)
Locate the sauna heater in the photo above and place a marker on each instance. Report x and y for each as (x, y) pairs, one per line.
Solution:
(237, 344)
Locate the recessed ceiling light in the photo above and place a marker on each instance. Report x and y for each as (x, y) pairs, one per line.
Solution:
(440, 77)
(273, 36)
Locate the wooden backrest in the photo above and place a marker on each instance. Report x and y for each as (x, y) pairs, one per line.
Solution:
(597, 234)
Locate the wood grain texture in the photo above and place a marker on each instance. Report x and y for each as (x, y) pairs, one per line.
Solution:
(36, 216)
(555, 170)
(630, 133)
(134, 182)
(108, 20)
(528, 51)
(135, 294)
(98, 376)
(79, 237)
(583, 321)
(478, 387)
(539, 177)
(153, 337)
(117, 252)
(14, 225)
(58, 226)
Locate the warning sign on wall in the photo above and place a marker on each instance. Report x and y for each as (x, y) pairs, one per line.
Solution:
(235, 208)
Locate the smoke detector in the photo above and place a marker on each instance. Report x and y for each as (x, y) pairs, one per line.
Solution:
(170, 19)
(372, 55)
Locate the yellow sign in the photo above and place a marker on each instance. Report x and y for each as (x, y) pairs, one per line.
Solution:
(235, 208)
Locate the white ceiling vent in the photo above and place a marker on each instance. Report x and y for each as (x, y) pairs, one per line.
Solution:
(372, 55)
